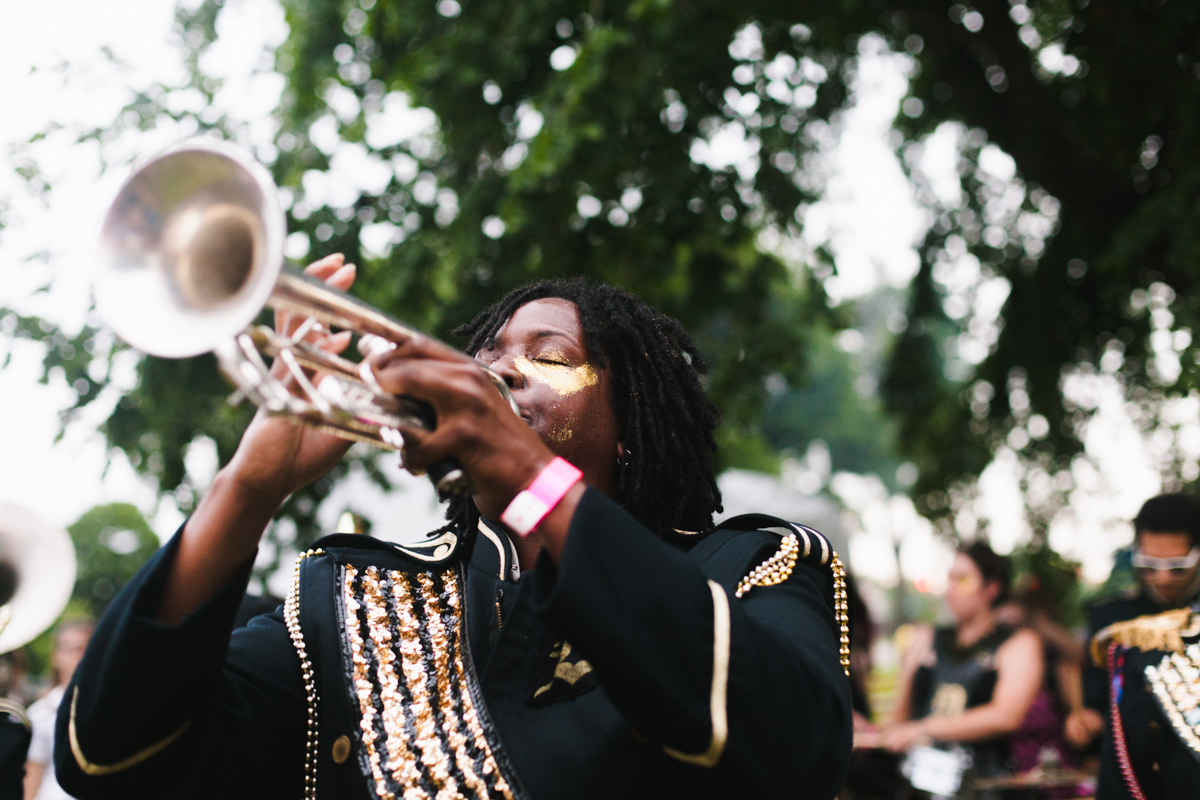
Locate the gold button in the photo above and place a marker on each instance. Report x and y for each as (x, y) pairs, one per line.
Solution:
(341, 749)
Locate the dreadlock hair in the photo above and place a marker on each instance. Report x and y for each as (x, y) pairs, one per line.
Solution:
(666, 419)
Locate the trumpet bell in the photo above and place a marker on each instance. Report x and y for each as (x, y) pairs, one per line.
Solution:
(190, 250)
(37, 574)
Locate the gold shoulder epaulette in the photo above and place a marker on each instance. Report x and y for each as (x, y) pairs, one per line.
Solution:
(1163, 631)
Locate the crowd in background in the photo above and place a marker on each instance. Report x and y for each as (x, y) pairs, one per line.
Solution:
(1008, 681)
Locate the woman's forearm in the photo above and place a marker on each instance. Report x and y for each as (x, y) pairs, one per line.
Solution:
(976, 724)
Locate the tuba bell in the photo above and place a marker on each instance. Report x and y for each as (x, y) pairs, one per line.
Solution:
(191, 251)
(37, 575)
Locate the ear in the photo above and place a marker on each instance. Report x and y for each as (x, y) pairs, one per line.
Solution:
(992, 589)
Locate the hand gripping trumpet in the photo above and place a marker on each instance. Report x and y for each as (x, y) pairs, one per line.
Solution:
(190, 253)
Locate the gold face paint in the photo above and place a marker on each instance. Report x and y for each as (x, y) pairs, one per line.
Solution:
(965, 584)
(564, 379)
(558, 436)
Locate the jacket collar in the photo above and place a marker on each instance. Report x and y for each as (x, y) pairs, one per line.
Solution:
(495, 553)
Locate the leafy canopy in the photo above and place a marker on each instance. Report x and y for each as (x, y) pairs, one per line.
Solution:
(457, 149)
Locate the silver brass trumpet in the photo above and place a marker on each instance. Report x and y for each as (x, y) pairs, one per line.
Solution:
(192, 250)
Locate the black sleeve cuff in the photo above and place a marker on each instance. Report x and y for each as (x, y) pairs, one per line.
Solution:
(148, 675)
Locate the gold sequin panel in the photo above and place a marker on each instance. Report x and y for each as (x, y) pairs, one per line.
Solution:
(422, 730)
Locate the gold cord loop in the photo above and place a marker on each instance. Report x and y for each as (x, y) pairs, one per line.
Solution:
(779, 567)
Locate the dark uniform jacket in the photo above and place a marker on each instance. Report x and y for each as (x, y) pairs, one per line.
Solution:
(1100, 616)
(1155, 680)
(631, 669)
(15, 735)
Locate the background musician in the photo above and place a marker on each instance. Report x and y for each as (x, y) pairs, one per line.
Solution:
(1166, 563)
(70, 641)
(975, 681)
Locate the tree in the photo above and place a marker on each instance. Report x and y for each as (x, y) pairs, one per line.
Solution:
(520, 165)
(112, 542)
(1095, 103)
(497, 142)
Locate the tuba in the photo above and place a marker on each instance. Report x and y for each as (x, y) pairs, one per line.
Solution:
(190, 253)
(37, 575)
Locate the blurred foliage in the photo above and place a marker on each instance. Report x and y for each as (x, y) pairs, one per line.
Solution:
(1122, 581)
(837, 402)
(1093, 238)
(568, 139)
(112, 542)
(1045, 582)
(513, 169)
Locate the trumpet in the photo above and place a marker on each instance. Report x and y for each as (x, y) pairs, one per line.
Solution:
(192, 250)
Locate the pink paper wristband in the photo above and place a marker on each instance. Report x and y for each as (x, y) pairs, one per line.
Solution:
(530, 507)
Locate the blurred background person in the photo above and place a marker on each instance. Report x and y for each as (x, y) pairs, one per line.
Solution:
(70, 641)
(14, 736)
(973, 682)
(1040, 740)
(874, 773)
(1165, 557)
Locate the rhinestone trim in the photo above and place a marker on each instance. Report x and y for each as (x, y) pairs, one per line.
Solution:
(1175, 682)
(779, 567)
(291, 616)
(775, 570)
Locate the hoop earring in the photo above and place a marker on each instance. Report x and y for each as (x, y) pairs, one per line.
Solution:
(628, 455)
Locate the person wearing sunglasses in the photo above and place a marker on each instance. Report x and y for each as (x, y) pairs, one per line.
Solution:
(1143, 752)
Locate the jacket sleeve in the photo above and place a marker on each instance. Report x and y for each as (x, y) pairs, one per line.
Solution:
(1095, 677)
(752, 688)
(185, 710)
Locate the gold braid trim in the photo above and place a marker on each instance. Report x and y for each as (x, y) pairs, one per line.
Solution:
(841, 611)
(779, 567)
(775, 570)
(291, 616)
(1152, 632)
(108, 769)
(720, 686)
(15, 709)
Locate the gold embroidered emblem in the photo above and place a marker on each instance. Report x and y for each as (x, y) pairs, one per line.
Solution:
(948, 701)
(565, 670)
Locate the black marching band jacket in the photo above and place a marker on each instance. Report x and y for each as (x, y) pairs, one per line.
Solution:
(1151, 746)
(699, 666)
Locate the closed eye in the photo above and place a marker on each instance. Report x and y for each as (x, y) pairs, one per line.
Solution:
(552, 361)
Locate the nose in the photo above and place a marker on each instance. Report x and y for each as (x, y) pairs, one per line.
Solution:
(504, 367)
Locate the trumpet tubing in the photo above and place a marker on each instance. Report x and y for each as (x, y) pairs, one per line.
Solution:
(192, 250)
